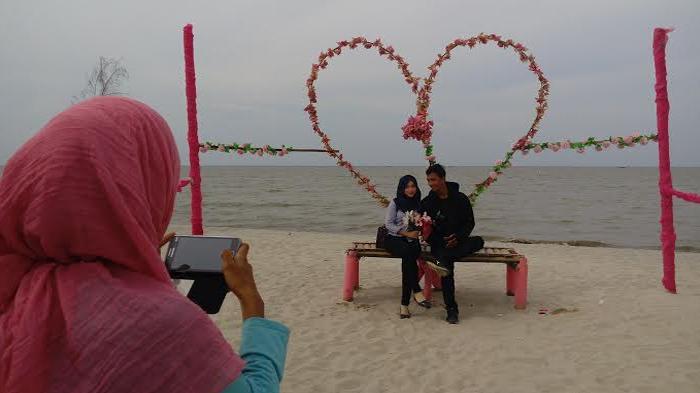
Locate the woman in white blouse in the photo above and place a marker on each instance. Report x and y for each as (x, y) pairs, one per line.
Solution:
(404, 243)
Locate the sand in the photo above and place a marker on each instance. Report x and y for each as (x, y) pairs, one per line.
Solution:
(609, 325)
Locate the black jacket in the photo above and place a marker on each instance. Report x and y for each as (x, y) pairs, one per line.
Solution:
(453, 215)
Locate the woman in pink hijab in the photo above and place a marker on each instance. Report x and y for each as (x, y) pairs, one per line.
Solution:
(86, 304)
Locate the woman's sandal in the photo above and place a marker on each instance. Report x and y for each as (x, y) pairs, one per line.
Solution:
(404, 313)
(423, 303)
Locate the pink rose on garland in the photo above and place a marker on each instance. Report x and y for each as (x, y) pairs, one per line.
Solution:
(537, 149)
(565, 145)
(203, 149)
(554, 146)
(606, 144)
(221, 148)
(643, 141)
(493, 175)
(418, 128)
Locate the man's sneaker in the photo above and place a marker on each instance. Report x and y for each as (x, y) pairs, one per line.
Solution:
(438, 268)
(452, 315)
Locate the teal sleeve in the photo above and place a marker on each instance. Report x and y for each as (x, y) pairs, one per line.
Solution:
(264, 349)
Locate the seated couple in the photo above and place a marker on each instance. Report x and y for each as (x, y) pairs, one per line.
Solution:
(453, 222)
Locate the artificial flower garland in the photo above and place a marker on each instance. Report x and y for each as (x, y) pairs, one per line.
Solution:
(419, 126)
(497, 169)
(245, 148)
(580, 147)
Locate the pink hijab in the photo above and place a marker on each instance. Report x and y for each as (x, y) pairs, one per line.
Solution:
(86, 304)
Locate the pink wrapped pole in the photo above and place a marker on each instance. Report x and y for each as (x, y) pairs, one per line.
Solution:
(192, 137)
(521, 273)
(352, 272)
(668, 233)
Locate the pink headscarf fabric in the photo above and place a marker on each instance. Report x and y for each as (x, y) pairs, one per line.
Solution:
(86, 304)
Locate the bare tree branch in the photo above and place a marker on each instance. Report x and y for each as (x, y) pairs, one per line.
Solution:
(105, 79)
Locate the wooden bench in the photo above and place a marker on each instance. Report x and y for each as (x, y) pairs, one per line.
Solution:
(516, 269)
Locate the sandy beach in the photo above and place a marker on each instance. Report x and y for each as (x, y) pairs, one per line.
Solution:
(609, 326)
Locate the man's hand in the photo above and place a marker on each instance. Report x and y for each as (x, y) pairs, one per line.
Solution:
(451, 241)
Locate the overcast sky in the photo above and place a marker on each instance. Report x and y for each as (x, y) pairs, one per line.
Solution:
(253, 57)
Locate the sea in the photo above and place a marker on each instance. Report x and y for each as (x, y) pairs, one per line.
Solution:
(595, 207)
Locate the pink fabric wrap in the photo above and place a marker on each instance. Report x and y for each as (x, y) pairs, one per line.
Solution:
(668, 233)
(192, 132)
(687, 196)
(86, 304)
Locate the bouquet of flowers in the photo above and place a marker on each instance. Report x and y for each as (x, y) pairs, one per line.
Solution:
(419, 222)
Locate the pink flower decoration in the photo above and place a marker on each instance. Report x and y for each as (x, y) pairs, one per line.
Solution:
(418, 128)
(221, 148)
(643, 141)
(266, 148)
(537, 149)
(554, 147)
(240, 152)
(284, 151)
(606, 144)
(499, 162)
(203, 149)
(599, 148)
(581, 150)
(629, 139)
(493, 175)
(259, 152)
(430, 158)
(565, 145)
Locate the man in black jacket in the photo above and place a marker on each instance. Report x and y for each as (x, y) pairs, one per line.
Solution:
(453, 222)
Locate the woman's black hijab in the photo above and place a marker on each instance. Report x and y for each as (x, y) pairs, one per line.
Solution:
(403, 202)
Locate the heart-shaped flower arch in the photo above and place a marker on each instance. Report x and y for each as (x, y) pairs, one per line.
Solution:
(419, 127)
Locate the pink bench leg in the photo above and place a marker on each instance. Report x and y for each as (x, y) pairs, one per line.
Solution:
(352, 275)
(510, 280)
(521, 285)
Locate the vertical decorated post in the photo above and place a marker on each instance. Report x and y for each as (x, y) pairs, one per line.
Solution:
(668, 233)
(192, 137)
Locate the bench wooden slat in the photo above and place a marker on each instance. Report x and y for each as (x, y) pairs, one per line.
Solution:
(470, 258)
(487, 255)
